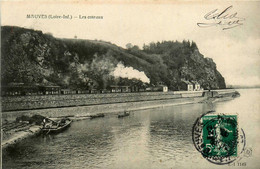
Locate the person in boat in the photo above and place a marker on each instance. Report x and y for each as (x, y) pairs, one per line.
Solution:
(44, 122)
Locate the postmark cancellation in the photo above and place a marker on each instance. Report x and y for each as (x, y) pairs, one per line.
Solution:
(218, 137)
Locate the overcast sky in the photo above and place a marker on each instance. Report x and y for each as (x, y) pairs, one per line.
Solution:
(236, 51)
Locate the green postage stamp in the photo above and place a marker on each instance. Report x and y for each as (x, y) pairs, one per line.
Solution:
(218, 137)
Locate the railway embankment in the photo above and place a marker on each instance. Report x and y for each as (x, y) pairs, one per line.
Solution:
(18, 103)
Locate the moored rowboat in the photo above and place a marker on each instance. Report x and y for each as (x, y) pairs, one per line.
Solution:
(56, 127)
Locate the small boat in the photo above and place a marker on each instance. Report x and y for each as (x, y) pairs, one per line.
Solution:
(77, 118)
(56, 126)
(97, 115)
(124, 114)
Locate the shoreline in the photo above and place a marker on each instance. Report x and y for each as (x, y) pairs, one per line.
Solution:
(21, 135)
(35, 129)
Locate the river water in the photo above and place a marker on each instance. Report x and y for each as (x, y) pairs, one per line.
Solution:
(152, 138)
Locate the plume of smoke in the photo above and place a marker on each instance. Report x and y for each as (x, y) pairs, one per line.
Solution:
(102, 66)
(130, 73)
(82, 70)
(82, 67)
(66, 80)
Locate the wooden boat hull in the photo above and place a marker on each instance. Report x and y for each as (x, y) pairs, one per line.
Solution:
(56, 130)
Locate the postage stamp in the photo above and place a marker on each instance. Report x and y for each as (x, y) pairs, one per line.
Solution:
(218, 137)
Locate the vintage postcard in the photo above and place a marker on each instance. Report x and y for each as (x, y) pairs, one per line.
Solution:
(120, 84)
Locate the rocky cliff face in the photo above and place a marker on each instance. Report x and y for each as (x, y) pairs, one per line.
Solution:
(203, 70)
(31, 57)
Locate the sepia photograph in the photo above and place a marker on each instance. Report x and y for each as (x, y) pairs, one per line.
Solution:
(130, 84)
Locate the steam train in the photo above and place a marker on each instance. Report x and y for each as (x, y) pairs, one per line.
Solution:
(27, 90)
